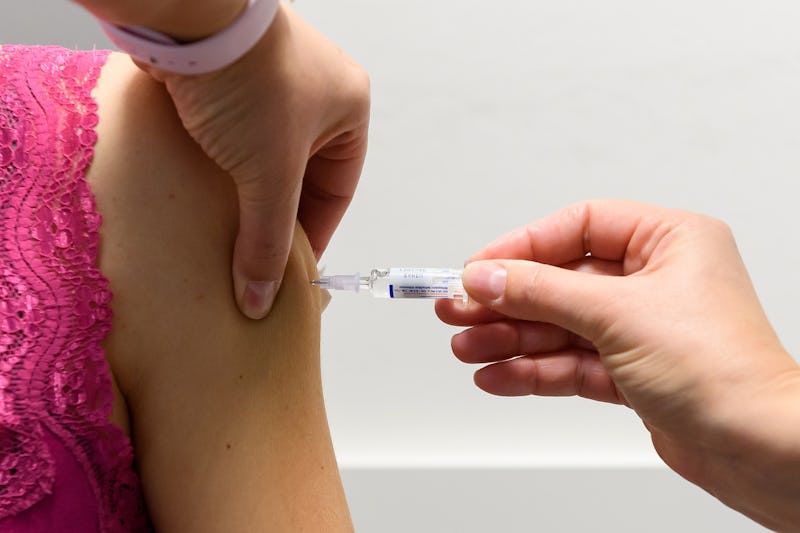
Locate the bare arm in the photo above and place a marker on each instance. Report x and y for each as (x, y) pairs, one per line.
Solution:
(227, 414)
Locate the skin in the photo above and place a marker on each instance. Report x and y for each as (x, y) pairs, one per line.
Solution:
(287, 122)
(652, 308)
(226, 414)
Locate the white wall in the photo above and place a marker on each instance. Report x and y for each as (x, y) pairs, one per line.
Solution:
(487, 116)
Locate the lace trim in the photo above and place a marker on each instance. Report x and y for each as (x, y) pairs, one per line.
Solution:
(54, 302)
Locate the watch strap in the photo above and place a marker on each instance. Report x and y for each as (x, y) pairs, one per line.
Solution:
(198, 57)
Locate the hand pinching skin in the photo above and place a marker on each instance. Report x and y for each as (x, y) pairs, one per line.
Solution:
(287, 121)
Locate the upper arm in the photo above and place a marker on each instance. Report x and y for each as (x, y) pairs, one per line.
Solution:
(228, 421)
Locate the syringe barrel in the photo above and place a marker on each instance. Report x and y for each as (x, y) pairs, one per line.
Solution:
(410, 282)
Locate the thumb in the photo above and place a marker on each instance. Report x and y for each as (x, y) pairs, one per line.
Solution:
(266, 226)
(526, 290)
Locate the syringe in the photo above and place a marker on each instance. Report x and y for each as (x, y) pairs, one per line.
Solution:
(400, 283)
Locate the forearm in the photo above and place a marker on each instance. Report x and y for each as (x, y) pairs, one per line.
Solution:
(183, 19)
(757, 469)
(775, 477)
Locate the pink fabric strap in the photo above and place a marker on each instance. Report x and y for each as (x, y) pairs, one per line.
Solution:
(199, 57)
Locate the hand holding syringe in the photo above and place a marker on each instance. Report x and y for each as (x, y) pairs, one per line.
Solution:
(400, 283)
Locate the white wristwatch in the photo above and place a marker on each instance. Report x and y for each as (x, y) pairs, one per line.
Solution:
(199, 57)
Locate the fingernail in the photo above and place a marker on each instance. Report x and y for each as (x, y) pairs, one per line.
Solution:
(485, 280)
(258, 298)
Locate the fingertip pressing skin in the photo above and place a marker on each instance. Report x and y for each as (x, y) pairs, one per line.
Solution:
(255, 298)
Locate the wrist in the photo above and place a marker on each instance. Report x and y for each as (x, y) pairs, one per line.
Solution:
(753, 464)
(151, 48)
(191, 21)
(184, 20)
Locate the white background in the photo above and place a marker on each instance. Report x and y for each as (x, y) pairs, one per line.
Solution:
(485, 117)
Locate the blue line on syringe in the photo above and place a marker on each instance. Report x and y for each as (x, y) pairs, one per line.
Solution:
(400, 283)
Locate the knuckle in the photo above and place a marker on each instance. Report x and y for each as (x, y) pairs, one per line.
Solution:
(524, 288)
(355, 89)
(266, 253)
(534, 382)
(363, 83)
(259, 253)
(533, 285)
(714, 226)
(581, 377)
(721, 227)
(263, 194)
(360, 94)
(359, 81)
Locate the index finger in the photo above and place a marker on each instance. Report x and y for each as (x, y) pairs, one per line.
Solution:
(613, 230)
(329, 184)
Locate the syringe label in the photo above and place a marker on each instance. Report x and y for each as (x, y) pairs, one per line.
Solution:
(424, 283)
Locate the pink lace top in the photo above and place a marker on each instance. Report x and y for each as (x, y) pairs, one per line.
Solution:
(63, 465)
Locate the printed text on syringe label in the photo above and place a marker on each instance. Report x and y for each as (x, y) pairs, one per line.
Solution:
(424, 282)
